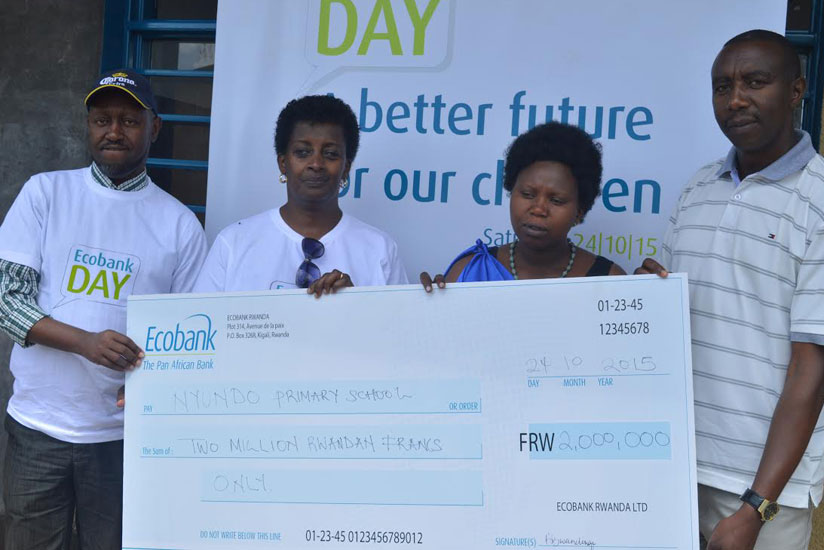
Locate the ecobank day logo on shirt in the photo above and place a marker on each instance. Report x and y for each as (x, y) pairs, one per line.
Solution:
(100, 275)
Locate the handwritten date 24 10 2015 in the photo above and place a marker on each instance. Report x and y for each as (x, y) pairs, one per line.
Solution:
(574, 365)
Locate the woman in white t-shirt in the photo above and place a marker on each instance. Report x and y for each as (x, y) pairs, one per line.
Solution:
(308, 242)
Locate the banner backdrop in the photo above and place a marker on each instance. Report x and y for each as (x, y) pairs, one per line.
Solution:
(441, 87)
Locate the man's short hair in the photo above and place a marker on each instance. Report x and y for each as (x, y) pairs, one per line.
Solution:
(791, 63)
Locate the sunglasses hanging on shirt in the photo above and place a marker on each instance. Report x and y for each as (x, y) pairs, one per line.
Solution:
(308, 272)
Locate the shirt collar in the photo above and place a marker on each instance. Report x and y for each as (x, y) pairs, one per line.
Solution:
(792, 161)
(136, 183)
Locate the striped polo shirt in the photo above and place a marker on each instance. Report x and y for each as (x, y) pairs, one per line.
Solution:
(754, 255)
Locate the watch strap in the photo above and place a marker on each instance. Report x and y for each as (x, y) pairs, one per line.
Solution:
(760, 504)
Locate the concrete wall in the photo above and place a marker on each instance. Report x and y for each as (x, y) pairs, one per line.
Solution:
(45, 71)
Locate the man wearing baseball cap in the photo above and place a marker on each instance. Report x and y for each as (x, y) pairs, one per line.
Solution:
(74, 245)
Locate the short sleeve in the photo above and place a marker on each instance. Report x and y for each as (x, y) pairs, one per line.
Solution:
(191, 253)
(672, 229)
(807, 309)
(394, 271)
(212, 277)
(21, 234)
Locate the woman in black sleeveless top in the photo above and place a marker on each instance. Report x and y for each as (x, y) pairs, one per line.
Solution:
(553, 175)
(600, 267)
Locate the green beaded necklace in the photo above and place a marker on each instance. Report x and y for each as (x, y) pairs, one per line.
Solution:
(572, 249)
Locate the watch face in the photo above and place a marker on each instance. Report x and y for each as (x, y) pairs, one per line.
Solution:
(770, 511)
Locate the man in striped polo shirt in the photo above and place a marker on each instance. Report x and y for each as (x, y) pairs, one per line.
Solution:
(749, 231)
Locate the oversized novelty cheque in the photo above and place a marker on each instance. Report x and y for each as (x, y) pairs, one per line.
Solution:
(487, 415)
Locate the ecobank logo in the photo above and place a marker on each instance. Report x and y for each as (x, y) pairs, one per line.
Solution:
(105, 276)
(344, 35)
(192, 334)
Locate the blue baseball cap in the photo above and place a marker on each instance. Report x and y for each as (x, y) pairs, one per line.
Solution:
(131, 82)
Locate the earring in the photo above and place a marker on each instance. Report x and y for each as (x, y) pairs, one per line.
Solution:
(344, 183)
(282, 178)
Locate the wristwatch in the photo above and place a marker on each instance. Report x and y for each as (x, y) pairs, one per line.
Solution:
(766, 508)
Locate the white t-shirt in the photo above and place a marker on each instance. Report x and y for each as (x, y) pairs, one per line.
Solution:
(262, 252)
(93, 247)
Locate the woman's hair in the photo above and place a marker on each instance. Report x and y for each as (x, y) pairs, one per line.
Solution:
(318, 109)
(562, 143)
